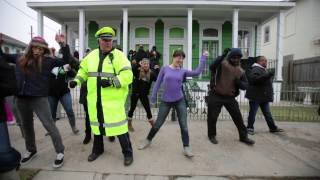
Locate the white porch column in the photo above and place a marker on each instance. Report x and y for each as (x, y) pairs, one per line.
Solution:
(40, 23)
(279, 56)
(82, 27)
(279, 49)
(125, 31)
(189, 53)
(235, 24)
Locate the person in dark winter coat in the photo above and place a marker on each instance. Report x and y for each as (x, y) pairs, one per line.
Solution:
(154, 57)
(32, 72)
(60, 92)
(260, 93)
(227, 77)
(9, 157)
(143, 77)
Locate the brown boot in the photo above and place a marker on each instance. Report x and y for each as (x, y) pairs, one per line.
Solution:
(130, 127)
(151, 122)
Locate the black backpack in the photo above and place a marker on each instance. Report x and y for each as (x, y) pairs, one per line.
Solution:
(8, 82)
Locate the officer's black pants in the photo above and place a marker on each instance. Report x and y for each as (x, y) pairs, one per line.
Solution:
(87, 121)
(215, 103)
(124, 140)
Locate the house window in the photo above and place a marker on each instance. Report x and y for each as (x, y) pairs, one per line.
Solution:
(210, 32)
(18, 51)
(142, 32)
(6, 50)
(266, 34)
(176, 33)
(244, 42)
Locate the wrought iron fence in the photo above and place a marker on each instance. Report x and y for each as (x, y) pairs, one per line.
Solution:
(292, 103)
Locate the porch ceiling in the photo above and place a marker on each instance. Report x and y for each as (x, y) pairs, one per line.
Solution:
(66, 12)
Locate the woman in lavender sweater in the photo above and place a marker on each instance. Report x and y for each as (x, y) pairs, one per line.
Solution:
(172, 77)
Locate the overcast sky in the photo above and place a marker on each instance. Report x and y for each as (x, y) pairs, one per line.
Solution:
(17, 19)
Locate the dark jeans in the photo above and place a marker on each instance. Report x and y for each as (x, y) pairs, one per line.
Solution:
(40, 106)
(66, 102)
(164, 110)
(215, 103)
(145, 102)
(87, 120)
(124, 140)
(264, 106)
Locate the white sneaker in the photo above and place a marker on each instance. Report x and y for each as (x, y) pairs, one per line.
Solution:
(187, 152)
(59, 160)
(27, 157)
(144, 144)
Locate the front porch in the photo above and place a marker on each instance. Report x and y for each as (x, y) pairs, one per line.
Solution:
(192, 26)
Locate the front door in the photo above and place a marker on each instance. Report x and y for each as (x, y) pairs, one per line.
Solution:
(212, 46)
(172, 48)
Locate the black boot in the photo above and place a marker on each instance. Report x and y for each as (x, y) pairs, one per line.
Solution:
(247, 141)
(213, 140)
(128, 161)
(87, 138)
(111, 138)
(93, 156)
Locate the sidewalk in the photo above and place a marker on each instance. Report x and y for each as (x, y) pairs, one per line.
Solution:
(295, 153)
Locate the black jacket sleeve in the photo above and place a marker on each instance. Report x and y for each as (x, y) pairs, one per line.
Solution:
(65, 50)
(242, 83)
(258, 76)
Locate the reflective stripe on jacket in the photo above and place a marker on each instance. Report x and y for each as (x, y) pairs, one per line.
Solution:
(113, 98)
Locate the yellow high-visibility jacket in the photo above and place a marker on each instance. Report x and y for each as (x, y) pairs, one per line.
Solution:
(110, 100)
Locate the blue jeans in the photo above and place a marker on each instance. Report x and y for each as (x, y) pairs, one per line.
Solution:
(164, 110)
(266, 113)
(66, 102)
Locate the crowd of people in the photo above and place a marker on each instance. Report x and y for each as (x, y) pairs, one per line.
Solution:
(106, 76)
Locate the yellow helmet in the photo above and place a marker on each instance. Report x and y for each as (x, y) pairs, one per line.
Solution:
(105, 33)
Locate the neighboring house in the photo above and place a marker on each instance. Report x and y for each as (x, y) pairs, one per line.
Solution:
(301, 43)
(11, 45)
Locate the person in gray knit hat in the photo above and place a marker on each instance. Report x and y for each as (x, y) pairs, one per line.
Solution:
(32, 73)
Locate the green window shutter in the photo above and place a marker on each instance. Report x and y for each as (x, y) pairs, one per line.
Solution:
(176, 32)
(93, 27)
(195, 43)
(226, 35)
(142, 32)
(159, 35)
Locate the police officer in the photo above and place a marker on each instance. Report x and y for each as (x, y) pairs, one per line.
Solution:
(108, 74)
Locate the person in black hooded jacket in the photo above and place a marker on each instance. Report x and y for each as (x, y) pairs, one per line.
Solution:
(143, 77)
(227, 77)
(59, 91)
(260, 93)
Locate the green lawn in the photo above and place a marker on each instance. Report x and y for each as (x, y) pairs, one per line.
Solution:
(291, 113)
(27, 174)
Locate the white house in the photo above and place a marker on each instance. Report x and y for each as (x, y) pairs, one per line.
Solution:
(301, 32)
(193, 26)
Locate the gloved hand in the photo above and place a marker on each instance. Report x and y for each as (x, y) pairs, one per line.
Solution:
(106, 83)
(72, 84)
(271, 72)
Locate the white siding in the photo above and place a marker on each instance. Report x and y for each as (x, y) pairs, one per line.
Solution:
(268, 49)
(302, 27)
